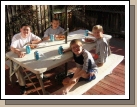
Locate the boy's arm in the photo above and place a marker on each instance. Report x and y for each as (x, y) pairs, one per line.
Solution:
(66, 50)
(45, 38)
(90, 33)
(18, 52)
(36, 41)
(46, 35)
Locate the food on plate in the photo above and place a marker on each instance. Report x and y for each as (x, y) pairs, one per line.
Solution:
(32, 46)
(60, 37)
(89, 40)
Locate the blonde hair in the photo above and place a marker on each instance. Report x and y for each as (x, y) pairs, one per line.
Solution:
(75, 41)
(98, 27)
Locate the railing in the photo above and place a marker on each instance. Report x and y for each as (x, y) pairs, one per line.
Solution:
(112, 18)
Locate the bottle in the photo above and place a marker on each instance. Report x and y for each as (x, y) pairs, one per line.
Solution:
(28, 49)
(36, 55)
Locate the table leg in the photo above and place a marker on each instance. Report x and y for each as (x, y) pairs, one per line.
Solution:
(11, 71)
(42, 85)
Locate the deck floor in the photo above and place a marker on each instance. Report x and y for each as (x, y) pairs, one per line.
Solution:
(112, 84)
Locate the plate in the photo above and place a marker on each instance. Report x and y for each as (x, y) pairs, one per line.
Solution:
(88, 40)
(58, 38)
(32, 46)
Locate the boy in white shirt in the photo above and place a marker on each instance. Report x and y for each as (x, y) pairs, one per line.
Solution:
(19, 40)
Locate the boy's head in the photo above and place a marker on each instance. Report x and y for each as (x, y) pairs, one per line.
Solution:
(55, 23)
(25, 30)
(76, 46)
(97, 31)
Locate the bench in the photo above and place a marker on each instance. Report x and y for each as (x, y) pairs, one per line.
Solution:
(81, 87)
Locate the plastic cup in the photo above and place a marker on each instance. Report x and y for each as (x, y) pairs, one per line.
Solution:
(86, 32)
(52, 37)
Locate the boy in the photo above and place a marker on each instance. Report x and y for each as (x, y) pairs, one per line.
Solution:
(86, 67)
(54, 29)
(102, 48)
(19, 40)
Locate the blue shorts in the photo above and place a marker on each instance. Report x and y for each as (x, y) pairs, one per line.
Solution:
(90, 69)
(90, 78)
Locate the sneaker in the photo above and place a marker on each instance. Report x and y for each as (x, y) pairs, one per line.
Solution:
(17, 83)
(22, 90)
(45, 78)
(92, 78)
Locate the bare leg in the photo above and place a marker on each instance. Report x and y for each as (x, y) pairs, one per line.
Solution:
(66, 81)
(64, 90)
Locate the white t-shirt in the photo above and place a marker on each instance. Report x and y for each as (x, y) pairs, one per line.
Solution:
(19, 42)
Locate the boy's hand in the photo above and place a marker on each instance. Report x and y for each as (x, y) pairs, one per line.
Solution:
(90, 34)
(46, 38)
(36, 41)
(20, 54)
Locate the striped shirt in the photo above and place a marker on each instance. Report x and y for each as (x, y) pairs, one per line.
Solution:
(102, 49)
(83, 60)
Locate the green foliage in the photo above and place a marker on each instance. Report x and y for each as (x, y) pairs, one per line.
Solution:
(23, 15)
(26, 15)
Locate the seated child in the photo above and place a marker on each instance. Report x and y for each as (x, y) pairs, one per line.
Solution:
(19, 40)
(86, 67)
(54, 29)
(102, 50)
